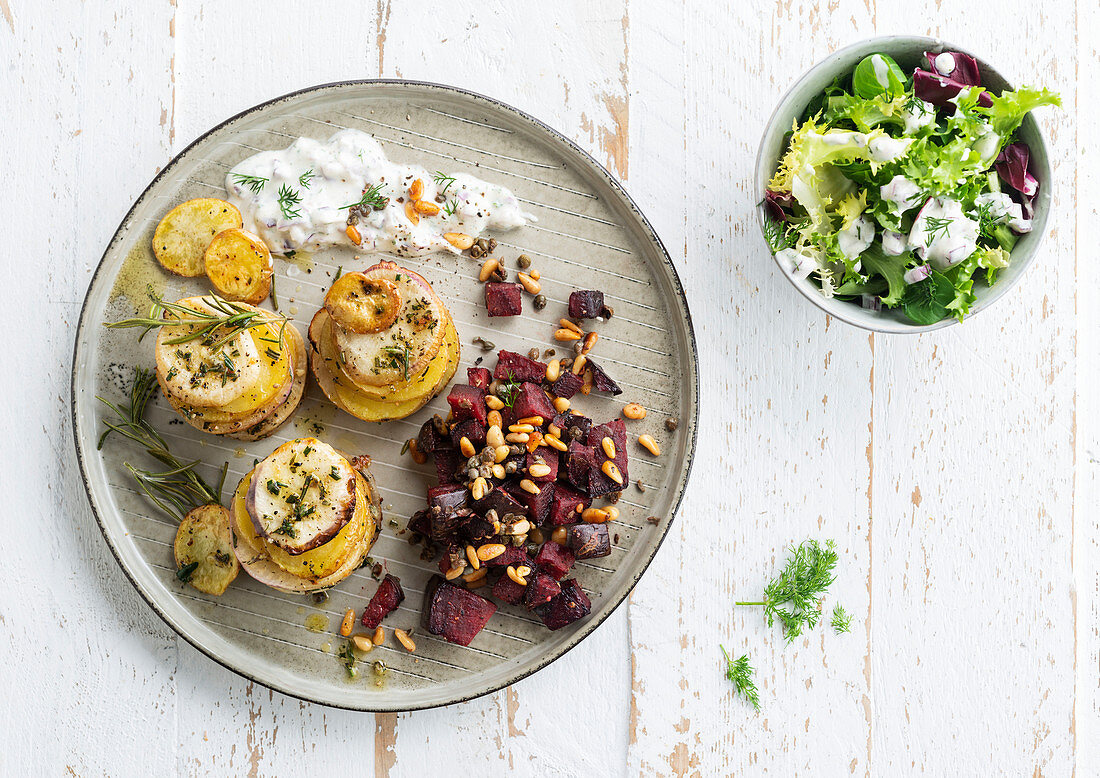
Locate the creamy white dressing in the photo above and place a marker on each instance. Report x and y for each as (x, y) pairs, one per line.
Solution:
(902, 192)
(1002, 209)
(329, 177)
(945, 63)
(844, 137)
(882, 70)
(894, 243)
(854, 240)
(883, 148)
(798, 264)
(917, 115)
(942, 234)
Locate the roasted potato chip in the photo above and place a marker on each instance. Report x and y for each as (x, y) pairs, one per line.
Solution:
(184, 233)
(239, 266)
(204, 550)
(361, 304)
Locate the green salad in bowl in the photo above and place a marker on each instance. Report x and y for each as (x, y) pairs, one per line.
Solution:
(903, 189)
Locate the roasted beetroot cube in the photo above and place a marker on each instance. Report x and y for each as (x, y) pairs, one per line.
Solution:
(503, 299)
(532, 401)
(386, 598)
(513, 555)
(564, 509)
(580, 460)
(448, 497)
(602, 381)
(600, 483)
(429, 440)
(516, 367)
(567, 607)
(538, 505)
(478, 377)
(543, 456)
(502, 502)
(447, 461)
(472, 429)
(477, 531)
(541, 588)
(509, 591)
(567, 385)
(589, 540)
(573, 425)
(586, 304)
(554, 559)
(467, 402)
(421, 522)
(445, 525)
(454, 613)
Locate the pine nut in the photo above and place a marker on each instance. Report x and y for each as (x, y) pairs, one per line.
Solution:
(534, 273)
(411, 214)
(650, 445)
(521, 527)
(589, 341)
(521, 428)
(538, 471)
(480, 488)
(531, 285)
(553, 370)
(569, 325)
(513, 573)
(612, 471)
(494, 437)
(528, 486)
(459, 240)
(379, 636)
(532, 420)
(494, 419)
(362, 643)
(579, 363)
(586, 387)
(493, 402)
(560, 535)
(561, 404)
(612, 513)
(477, 575)
(501, 453)
(594, 516)
(566, 335)
(404, 639)
(426, 208)
(466, 447)
(353, 235)
(345, 625)
(417, 455)
(608, 446)
(555, 442)
(487, 270)
(554, 430)
(498, 472)
(633, 411)
(517, 437)
(471, 554)
(456, 571)
(489, 551)
(534, 442)
(416, 191)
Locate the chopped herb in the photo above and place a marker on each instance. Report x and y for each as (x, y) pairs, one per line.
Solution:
(792, 597)
(405, 447)
(372, 198)
(348, 658)
(334, 473)
(184, 573)
(306, 450)
(339, 272)
(289, 198)
(508, 391)
(255, 183)
(274, 486)
(450, 207)
(287, 528)
(740, 673)
(400, 355)
(934, 226)
(442, 180)
(842, 621)
(305, 178)
(274, 299)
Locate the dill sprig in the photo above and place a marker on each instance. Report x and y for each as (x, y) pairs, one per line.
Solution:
(288, 199)
(508, 391)
(179, 488)
(372, 198)
(443, 180)
(450, 208)
(935, 225)
(740, 674)
(305, 178)
(778, 234)
(213, 327)
(255, 183)
(793, 596)
(842, 620)
(987, 221)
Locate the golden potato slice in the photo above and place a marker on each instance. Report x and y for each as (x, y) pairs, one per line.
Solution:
(361, 304)
(182, 236)
(239, 266)
(204, 550)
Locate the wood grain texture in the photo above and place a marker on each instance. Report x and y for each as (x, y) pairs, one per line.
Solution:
(959, 472)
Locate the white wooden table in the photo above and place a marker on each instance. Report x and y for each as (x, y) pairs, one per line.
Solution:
(957, 471)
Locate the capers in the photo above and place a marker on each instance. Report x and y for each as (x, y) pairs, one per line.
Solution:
(671, 424)
(485, 344)
(533, 354)
(379, 668)
(320, 597)
(523, 261)
(540, 302)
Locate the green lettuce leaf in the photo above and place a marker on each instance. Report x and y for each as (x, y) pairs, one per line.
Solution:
(891, 268)
(1010, 108)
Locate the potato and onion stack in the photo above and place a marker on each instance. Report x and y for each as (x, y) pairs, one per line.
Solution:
(305, 517)
(384, 344)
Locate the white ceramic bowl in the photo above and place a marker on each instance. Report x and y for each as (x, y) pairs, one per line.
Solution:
(908, 51)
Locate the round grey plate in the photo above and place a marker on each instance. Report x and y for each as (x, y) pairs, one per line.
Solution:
(589, 235)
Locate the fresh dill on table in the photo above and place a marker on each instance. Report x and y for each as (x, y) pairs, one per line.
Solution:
(793, 596)
(842, 620)
(740, 673)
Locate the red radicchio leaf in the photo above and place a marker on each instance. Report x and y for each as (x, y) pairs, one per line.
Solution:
(939, 90)
(776, 203)
(1012, 166)
(965, 69)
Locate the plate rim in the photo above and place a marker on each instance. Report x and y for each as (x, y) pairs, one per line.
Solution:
(694, 388)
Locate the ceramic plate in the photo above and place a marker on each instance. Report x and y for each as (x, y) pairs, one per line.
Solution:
(589, 235)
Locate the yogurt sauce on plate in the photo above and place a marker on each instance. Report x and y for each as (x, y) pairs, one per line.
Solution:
(302, 197)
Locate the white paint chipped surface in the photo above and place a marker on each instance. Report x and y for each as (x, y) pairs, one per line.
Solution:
(958, 471)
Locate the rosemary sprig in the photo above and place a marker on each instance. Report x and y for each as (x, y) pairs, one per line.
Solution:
(213, 327)
(792, 597)
(255, 183)
(443, 180)
(740, 673)
(179, 488)
(842, 620)
(289, 198)
(399, 353)
(372, 198)
(305, 178)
